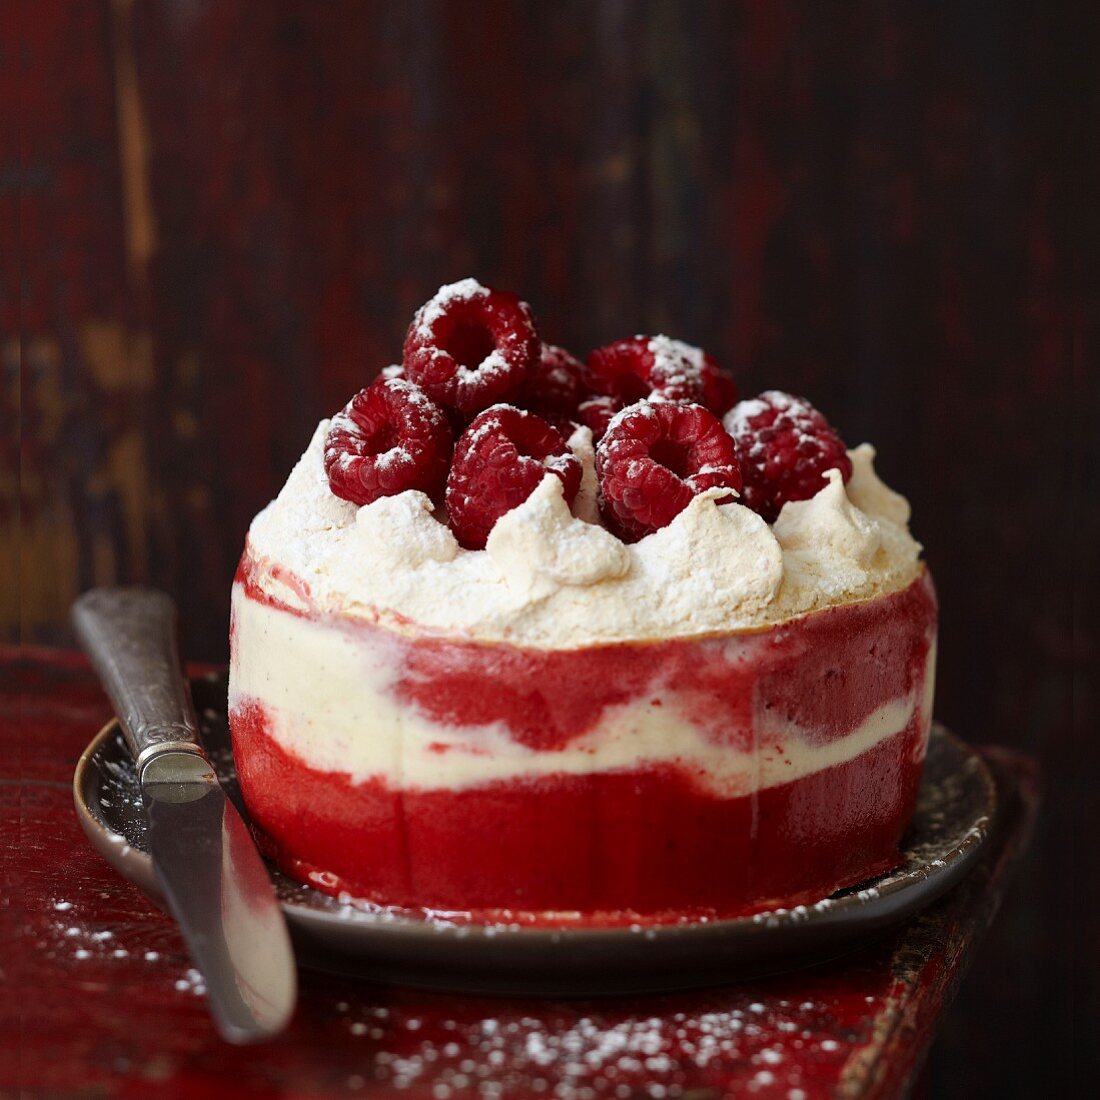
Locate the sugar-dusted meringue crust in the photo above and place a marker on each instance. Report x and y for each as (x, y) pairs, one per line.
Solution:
(555, 579)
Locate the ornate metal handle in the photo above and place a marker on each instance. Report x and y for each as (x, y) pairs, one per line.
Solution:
(130, 635)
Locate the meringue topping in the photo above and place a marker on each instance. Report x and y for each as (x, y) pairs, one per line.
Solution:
(551, 577)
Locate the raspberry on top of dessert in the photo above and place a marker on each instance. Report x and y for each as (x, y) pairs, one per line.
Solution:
(528, 632)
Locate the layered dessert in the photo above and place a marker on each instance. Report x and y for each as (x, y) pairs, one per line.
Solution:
(527, 634)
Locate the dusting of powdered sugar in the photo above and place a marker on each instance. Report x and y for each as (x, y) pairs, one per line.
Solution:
(347, 446)
(477, 433)
(745, 1040)
(639, 408)
(586, 505)
(559, 463)
(738, 421)
(465, 290)
(416, 397)
(493, 365)
(675, 364)
(556, 372)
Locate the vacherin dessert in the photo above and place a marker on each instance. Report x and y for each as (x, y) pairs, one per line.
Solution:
(525, 634)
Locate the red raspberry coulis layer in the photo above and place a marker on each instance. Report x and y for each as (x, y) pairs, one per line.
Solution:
(827, 672)
(641, 840)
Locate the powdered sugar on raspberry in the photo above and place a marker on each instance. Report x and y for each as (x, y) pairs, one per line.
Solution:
(389, 438)
(470, 346)
(559, 374)
(737, 420)
(463, 291)
(656, 367)
(739, 416)
(676, 363)
(493, 365)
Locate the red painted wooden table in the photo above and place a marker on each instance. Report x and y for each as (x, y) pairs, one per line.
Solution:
(101, 1000)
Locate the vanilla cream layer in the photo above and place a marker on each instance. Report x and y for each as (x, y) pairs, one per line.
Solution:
(551, 577)
(328, 691)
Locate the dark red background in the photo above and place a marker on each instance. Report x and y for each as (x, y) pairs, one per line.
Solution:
(226, 213)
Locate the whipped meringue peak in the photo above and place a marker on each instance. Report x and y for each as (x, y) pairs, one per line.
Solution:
(552, 577)
(828, 524)
(541, 546)
(871, 495)
(401, 531)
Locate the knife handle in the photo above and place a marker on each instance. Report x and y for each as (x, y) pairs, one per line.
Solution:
(130, 635)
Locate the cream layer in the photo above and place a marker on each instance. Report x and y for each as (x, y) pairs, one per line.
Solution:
(329, 692)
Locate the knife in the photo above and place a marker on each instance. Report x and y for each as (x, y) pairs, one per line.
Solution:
(213, 878)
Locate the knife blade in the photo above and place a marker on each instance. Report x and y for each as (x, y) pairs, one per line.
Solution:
(213, 878)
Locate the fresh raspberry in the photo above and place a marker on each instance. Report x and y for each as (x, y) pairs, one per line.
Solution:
(555, 385)
(719, 389)
(597, 412)
(654, 458)
(390, 437)
(498, 462)
(471, 346)
(719, 392)
(784, 446)
(649, 366)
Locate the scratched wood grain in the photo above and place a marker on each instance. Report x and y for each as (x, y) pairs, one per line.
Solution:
(227, 211)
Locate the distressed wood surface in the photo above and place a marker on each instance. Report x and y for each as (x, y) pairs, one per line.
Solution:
(225, 213)
(101, 1000)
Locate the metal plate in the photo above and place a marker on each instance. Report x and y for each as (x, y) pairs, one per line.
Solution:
(954, 816)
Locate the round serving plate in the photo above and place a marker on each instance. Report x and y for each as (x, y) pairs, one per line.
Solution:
(954, 816)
